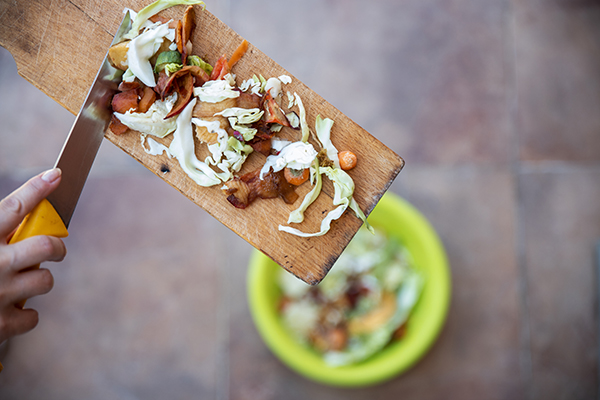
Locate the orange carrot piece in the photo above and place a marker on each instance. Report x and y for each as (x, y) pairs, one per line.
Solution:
(347, 160)
(295, 177)
(238, 53)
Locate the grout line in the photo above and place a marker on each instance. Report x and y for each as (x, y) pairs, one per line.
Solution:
(525, 352)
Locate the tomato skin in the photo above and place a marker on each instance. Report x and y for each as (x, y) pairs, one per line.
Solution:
(296, 177)
(220, 69)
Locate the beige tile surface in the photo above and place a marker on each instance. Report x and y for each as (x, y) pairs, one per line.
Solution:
(493, 105)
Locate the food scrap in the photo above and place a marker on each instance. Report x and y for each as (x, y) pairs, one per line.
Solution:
(361, 306)
(169, 92)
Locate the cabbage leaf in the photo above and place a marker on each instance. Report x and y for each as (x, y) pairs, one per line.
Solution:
(153, 121)
(141, 49)
(303, 125)
(145, 13)
(344, 188)
(216, 91)
(297, 216)
(323, 128)
(182, 148)
(296, 155)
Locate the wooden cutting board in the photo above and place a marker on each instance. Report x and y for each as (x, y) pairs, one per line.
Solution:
(58, 47)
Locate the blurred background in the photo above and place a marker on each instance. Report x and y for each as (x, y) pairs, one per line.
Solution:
(495, 107)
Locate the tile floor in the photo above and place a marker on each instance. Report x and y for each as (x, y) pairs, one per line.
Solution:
(494, 106)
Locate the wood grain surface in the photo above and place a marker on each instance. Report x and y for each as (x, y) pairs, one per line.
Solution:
(58, 47)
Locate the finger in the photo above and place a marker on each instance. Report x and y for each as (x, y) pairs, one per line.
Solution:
(32, 251)
(20, 202)
(28, 284)
(15, 321)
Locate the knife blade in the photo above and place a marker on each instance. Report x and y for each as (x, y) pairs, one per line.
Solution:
(53, 215)
(82, 144)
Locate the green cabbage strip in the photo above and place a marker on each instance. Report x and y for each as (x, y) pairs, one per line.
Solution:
(360, 214)
(145, 13)
(141, 49)
(172, 68)
(182, 148)
(297, 216)
(198, 62)
(303, 124)
(153, 121)
(241, 118)
(323, 128)
(344, 188)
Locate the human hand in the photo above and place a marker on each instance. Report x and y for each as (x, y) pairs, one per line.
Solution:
(17, 282)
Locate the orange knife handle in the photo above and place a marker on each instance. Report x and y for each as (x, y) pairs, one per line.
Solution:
(42, 220)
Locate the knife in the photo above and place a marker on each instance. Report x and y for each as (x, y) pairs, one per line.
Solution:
(53, 214)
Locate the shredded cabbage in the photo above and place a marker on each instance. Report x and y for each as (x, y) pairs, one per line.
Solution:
(153, 121)
(297, 216)
(262, 80)
(297, 155)
(228, 154)
(246, 131)
(241, 118)
(154, 148)
(142, 48)
(243, 115)
(285, 79)
(291, 99)
(252, 84)
(278, 144)
(323, 128)
(216, 91)
(182, 148)
(273, 86)
(128, 76)
(303, 124)
(172, 68)
(152, 9)
(344, 188)
(199, 62)
(234, 156)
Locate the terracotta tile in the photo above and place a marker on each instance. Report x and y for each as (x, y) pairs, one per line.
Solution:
(557, 63)
(561, 214)
(478, 353)
(429, 79)
(134, 309)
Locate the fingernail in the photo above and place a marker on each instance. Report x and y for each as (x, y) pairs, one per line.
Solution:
(51, 175)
